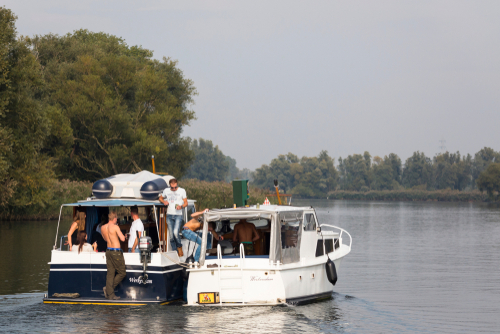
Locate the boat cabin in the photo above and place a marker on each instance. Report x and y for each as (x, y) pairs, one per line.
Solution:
(284, 263)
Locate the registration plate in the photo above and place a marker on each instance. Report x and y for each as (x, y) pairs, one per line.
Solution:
(208, 297)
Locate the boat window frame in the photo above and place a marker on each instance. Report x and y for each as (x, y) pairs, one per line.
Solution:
(305, 227)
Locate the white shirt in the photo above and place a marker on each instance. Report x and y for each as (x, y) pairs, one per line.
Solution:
(137, 225)
(174, 198)
(85, 248)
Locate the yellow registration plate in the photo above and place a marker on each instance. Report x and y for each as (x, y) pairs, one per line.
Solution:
(208, 297)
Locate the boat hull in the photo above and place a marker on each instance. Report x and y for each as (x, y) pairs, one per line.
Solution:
(300, 284)
(85, 275)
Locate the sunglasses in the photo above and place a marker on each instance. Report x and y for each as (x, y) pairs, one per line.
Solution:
(174, 188)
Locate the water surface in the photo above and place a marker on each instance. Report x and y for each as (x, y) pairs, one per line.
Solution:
(414, 267)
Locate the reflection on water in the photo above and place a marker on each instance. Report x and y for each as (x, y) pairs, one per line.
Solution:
(338, 315)
(414, 267)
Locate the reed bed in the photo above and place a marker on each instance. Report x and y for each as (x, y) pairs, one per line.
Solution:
(207, 195)
(411, 195)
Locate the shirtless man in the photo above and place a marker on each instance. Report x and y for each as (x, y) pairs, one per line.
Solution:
(191, 231)
(246, 233)
(114, 256)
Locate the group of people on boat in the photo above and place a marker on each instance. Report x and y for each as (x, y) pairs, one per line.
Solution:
(107, 236)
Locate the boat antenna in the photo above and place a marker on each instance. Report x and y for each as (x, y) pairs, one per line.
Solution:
(153, 160)
(277, 190)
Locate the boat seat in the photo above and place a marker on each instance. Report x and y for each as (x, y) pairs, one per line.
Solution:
(226, 247)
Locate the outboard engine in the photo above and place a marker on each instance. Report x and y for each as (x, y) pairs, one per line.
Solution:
(331, 272)
(145, 246)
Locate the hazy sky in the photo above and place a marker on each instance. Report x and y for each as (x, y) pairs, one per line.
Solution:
(293, 76)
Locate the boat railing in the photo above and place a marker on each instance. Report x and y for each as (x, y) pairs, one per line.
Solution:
(61, 243)
(341, 232)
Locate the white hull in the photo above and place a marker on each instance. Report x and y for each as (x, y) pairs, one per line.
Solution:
(260, 283)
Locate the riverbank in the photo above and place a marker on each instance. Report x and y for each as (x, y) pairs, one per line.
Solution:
(411, 195)
(206, 194)
(220, 195)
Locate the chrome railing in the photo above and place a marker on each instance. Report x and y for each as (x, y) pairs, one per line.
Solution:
(340, 235)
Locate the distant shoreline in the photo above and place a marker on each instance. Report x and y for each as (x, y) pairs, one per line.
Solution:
(410, 195)
(220, 194)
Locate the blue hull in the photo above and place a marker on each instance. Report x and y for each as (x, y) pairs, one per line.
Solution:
(164, 283)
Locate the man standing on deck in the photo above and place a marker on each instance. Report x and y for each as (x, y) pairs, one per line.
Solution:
(114, 257)
(246, 233)
(137, 226)
(176, 199)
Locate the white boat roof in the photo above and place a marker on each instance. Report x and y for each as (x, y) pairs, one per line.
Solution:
(264, 211)
(141, 177)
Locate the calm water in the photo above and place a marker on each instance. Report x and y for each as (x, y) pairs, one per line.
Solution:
(414, 267)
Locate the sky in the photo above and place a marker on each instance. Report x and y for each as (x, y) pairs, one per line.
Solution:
(293, 76)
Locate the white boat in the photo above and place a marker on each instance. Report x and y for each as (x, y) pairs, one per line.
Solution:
(288, 265)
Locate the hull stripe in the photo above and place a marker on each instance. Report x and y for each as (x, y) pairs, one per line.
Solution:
(128, 270)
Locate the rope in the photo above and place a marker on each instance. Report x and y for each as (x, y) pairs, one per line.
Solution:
(178, 263)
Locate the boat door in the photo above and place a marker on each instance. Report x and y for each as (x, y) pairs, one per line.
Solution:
(309, 236)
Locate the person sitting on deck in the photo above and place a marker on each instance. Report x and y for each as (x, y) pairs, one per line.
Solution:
(83, 245)
(192, 231)
(77, 226)
(246, 233)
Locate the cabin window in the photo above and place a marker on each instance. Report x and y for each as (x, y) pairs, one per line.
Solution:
(309, 222)
(319, 248)
(328, 245)
(291, 228)
(260, 246)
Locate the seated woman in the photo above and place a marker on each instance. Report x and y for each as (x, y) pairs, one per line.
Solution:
(82, 245)
(192, 231)
(77, 226)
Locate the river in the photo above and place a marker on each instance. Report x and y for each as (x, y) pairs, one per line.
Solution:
(414, 267)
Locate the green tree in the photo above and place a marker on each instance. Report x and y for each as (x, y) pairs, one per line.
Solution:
(482, 159)
(209, 164)
(308, 177)
(25, 171)
(417, 171)
(355, 173)
(489, 180)
(445, 168)
(115, 106)
(285, 168)
(318, 176)
(382, 173)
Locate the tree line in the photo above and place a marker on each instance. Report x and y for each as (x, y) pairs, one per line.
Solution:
(318, 176)
(210, 164)
(85, 106)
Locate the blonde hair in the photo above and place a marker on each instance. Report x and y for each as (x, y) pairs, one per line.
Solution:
(112, 215)
(80, 219)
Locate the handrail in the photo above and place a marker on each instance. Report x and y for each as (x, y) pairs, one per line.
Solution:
(61, 244)
(57, 231)
(219, 264)
(242, 261)
(341, 231)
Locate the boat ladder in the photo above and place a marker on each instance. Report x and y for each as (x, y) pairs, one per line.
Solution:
(230, 280)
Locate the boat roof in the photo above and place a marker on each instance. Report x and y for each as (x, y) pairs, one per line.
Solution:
(114, 202)
(251, 212)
